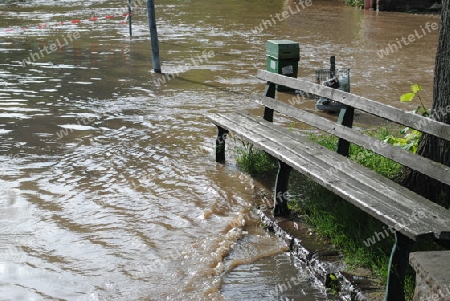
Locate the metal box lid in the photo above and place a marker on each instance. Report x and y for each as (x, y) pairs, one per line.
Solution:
(283, 49)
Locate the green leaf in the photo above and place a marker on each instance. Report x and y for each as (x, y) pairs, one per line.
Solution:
(400, 141)
(416, 88)
(407, 97)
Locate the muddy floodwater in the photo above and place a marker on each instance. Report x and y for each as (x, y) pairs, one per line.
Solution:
(109, 189)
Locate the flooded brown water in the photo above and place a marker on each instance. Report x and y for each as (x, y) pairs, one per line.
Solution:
(110, 189)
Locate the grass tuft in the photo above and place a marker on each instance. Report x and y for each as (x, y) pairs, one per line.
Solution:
(255, 161)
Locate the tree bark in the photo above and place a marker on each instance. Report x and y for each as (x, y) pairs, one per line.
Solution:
(430, 146)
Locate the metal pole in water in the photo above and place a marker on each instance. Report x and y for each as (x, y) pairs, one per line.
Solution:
(332, 66)
(129, 18)
(153, 35)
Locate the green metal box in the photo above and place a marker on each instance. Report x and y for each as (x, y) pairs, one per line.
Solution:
(284, 67)
(283, 49)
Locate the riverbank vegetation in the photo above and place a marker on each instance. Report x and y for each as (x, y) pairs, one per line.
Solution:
(357, 3)
(334, 219)
(255, 162)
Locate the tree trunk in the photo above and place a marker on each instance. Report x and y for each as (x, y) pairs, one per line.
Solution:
(429, 146)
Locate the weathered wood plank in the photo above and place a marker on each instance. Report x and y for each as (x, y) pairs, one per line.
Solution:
(426, 166)
(397, 197)
(336, 182)
(423, 124)
(387, 201)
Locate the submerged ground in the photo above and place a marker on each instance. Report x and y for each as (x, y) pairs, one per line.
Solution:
(110, 187)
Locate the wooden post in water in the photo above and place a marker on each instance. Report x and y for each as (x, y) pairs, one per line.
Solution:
(129, 18)
(153, 35)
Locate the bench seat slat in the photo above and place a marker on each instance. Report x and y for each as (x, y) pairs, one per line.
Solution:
(357, 173)
(372, 194)
(426, 166)
(399, 196)
(424, 124)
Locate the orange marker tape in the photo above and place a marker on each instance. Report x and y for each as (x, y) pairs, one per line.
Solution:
(44, 25)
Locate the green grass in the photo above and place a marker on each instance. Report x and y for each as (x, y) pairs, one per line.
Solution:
(357, 3)
(334, 219)
(255, 161)
(380, 164)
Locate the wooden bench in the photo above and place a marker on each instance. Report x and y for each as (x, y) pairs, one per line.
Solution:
(413, 217)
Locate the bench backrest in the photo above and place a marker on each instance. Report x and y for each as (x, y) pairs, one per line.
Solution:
(415, 121)
(426, 166)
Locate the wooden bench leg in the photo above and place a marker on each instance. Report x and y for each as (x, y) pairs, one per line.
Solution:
(281, 189)
(220, 144)
(395, 288)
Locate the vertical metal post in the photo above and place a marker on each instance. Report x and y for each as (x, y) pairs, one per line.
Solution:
(345, 119)
(345, 116)
(395, 288)
(281, 197)
(220, 144)
(270, 92)
(153, 35)
(129, 18)
(332, 66)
